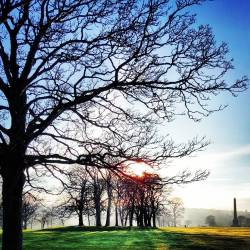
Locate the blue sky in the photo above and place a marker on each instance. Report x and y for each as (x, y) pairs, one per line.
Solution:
(228, 157)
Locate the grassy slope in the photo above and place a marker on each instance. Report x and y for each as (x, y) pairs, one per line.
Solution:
(74, 238)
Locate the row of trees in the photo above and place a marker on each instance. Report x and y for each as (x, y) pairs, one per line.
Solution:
(90, 193)
(34, 212)
(125, 200)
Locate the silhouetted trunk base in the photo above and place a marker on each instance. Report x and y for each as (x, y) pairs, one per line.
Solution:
(13, 181)
(80, 220)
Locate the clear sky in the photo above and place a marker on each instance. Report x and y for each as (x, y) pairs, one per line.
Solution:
(228, 157)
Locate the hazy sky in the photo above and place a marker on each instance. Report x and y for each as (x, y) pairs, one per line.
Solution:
(228, 157)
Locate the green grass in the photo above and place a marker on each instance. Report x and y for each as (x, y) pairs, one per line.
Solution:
(75, 238)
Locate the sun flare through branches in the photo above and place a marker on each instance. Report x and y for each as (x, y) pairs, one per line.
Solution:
(138, 168)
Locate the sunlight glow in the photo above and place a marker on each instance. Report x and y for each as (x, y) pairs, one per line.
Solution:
(138, 168)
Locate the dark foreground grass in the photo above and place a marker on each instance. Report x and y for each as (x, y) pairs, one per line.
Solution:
(79, 238)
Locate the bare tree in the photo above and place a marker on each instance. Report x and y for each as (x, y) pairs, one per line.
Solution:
(108, 177)
(140, 197)
(30, 207)
(77, 194)
(176, 209)
(61, 61)
(43, 217)
(98, 187)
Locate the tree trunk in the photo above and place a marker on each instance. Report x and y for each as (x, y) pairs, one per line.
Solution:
(140, 219)
(174, 220)
(13, 181)
(149, 222)
(131, 214)
(121, 214)
(25, 224)
(131, 219)
(126, 219)
(108, 208)
(98, 212)
(137, 219)
(88, 220)
(145, 218)
(80, 219)
(141, 212)
(62, 222)
(116, 216)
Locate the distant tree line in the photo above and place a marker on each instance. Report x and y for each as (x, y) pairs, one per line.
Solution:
(99, 195)
(226, 220)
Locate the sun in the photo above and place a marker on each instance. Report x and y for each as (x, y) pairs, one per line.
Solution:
(138, 168)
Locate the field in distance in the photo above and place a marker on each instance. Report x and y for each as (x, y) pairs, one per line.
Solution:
(79, 238)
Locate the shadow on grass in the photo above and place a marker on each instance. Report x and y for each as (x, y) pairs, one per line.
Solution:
(187, 241)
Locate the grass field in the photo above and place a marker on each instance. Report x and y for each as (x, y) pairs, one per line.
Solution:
(74, 238)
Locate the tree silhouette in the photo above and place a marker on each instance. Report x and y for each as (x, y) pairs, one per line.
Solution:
(30, 207)
(66, 65)
(78, 195)
(176, 209)
(210, 220)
